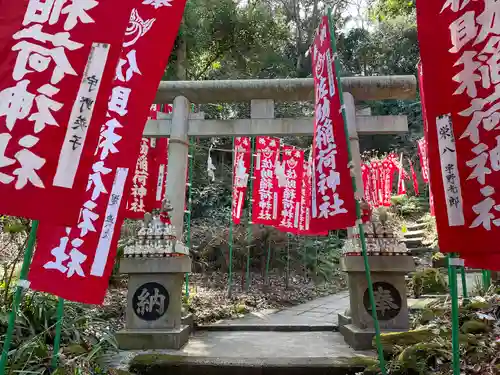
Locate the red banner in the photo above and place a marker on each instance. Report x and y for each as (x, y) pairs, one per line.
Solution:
(241, 170)
(55, 80)
(158, 173)
(386, 180)
(401, 177)
(265, 184)
(424, 164)
(305, 201)
(141, 183)
(333, 205)
(459, 47)
(414, 178)
(375, 167)
(76, 263)
(367, 183)
(289, 193)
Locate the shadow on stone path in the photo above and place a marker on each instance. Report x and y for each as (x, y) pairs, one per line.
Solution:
(321, 311)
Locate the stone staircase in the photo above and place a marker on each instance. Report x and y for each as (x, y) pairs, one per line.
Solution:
(414, 239)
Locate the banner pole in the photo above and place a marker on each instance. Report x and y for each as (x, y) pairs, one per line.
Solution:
(230, 239)
(189, 206)
(464, 283)
(57, 339)
(18, 294)
(452, 270)
(266, 277)
(361, 229)
(287, 281)
(249, 210)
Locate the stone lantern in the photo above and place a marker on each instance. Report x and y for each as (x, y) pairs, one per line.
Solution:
(389, 263)
(156, 263)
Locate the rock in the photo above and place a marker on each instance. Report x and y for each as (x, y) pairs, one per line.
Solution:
(74, 350)
(412, 337)
(475, 326)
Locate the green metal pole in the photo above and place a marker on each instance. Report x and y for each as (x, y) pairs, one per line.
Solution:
(486, 280)
(189, 206)
(57, 340)
(287, 260)
(452, 270)
(18, 295)
(465, 293)
(371, 294)
(249, 210)
(230, 239)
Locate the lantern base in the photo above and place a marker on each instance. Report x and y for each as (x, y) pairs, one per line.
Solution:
(144, 339)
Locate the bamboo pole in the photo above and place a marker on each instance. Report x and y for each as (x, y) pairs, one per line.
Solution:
(455, 334)
(18, 295)
(57, 339)
(249, 210)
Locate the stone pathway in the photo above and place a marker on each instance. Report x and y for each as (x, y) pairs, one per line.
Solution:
(321, 311)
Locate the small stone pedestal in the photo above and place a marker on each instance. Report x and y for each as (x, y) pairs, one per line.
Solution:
(154, 303)
(388, 277)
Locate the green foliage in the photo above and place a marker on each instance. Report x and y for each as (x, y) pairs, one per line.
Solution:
(84, 335)
(409, 206)
(386, 9)
(429, 281)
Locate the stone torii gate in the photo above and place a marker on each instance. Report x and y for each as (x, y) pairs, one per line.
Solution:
(181, 124)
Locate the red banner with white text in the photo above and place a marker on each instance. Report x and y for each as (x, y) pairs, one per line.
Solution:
(158, 173)
(241, 170)
(289, 192)
(305, 201)
(458, 43)
(333, 205)
(56, 71)
(76, 262)
(422, 152)
(265, 183)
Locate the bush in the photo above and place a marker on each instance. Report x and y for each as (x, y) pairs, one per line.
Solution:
(429, 281)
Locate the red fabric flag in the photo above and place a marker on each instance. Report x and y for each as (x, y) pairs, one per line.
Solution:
(265, 184)
(414, 178)
(401, 179)
(333, 204)
(490, 262)
(55, 80)
(375, 185)
(241, 169)
(289, 189)
(424, 164)
(422, 144)
(76, 262)
(367, 182)
(387, 179)
(137, 204)
(159, 163)
(305, 201)
(458, 42)
(153, 112)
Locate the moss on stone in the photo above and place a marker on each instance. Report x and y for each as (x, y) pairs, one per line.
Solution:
(390, 339)
(474, 327)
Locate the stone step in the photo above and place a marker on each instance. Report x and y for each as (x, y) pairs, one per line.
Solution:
(420, 251)
(250, 353)
(415, 227)
(266, 327)
(415, 233)
(412, 243)
(158, 364)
